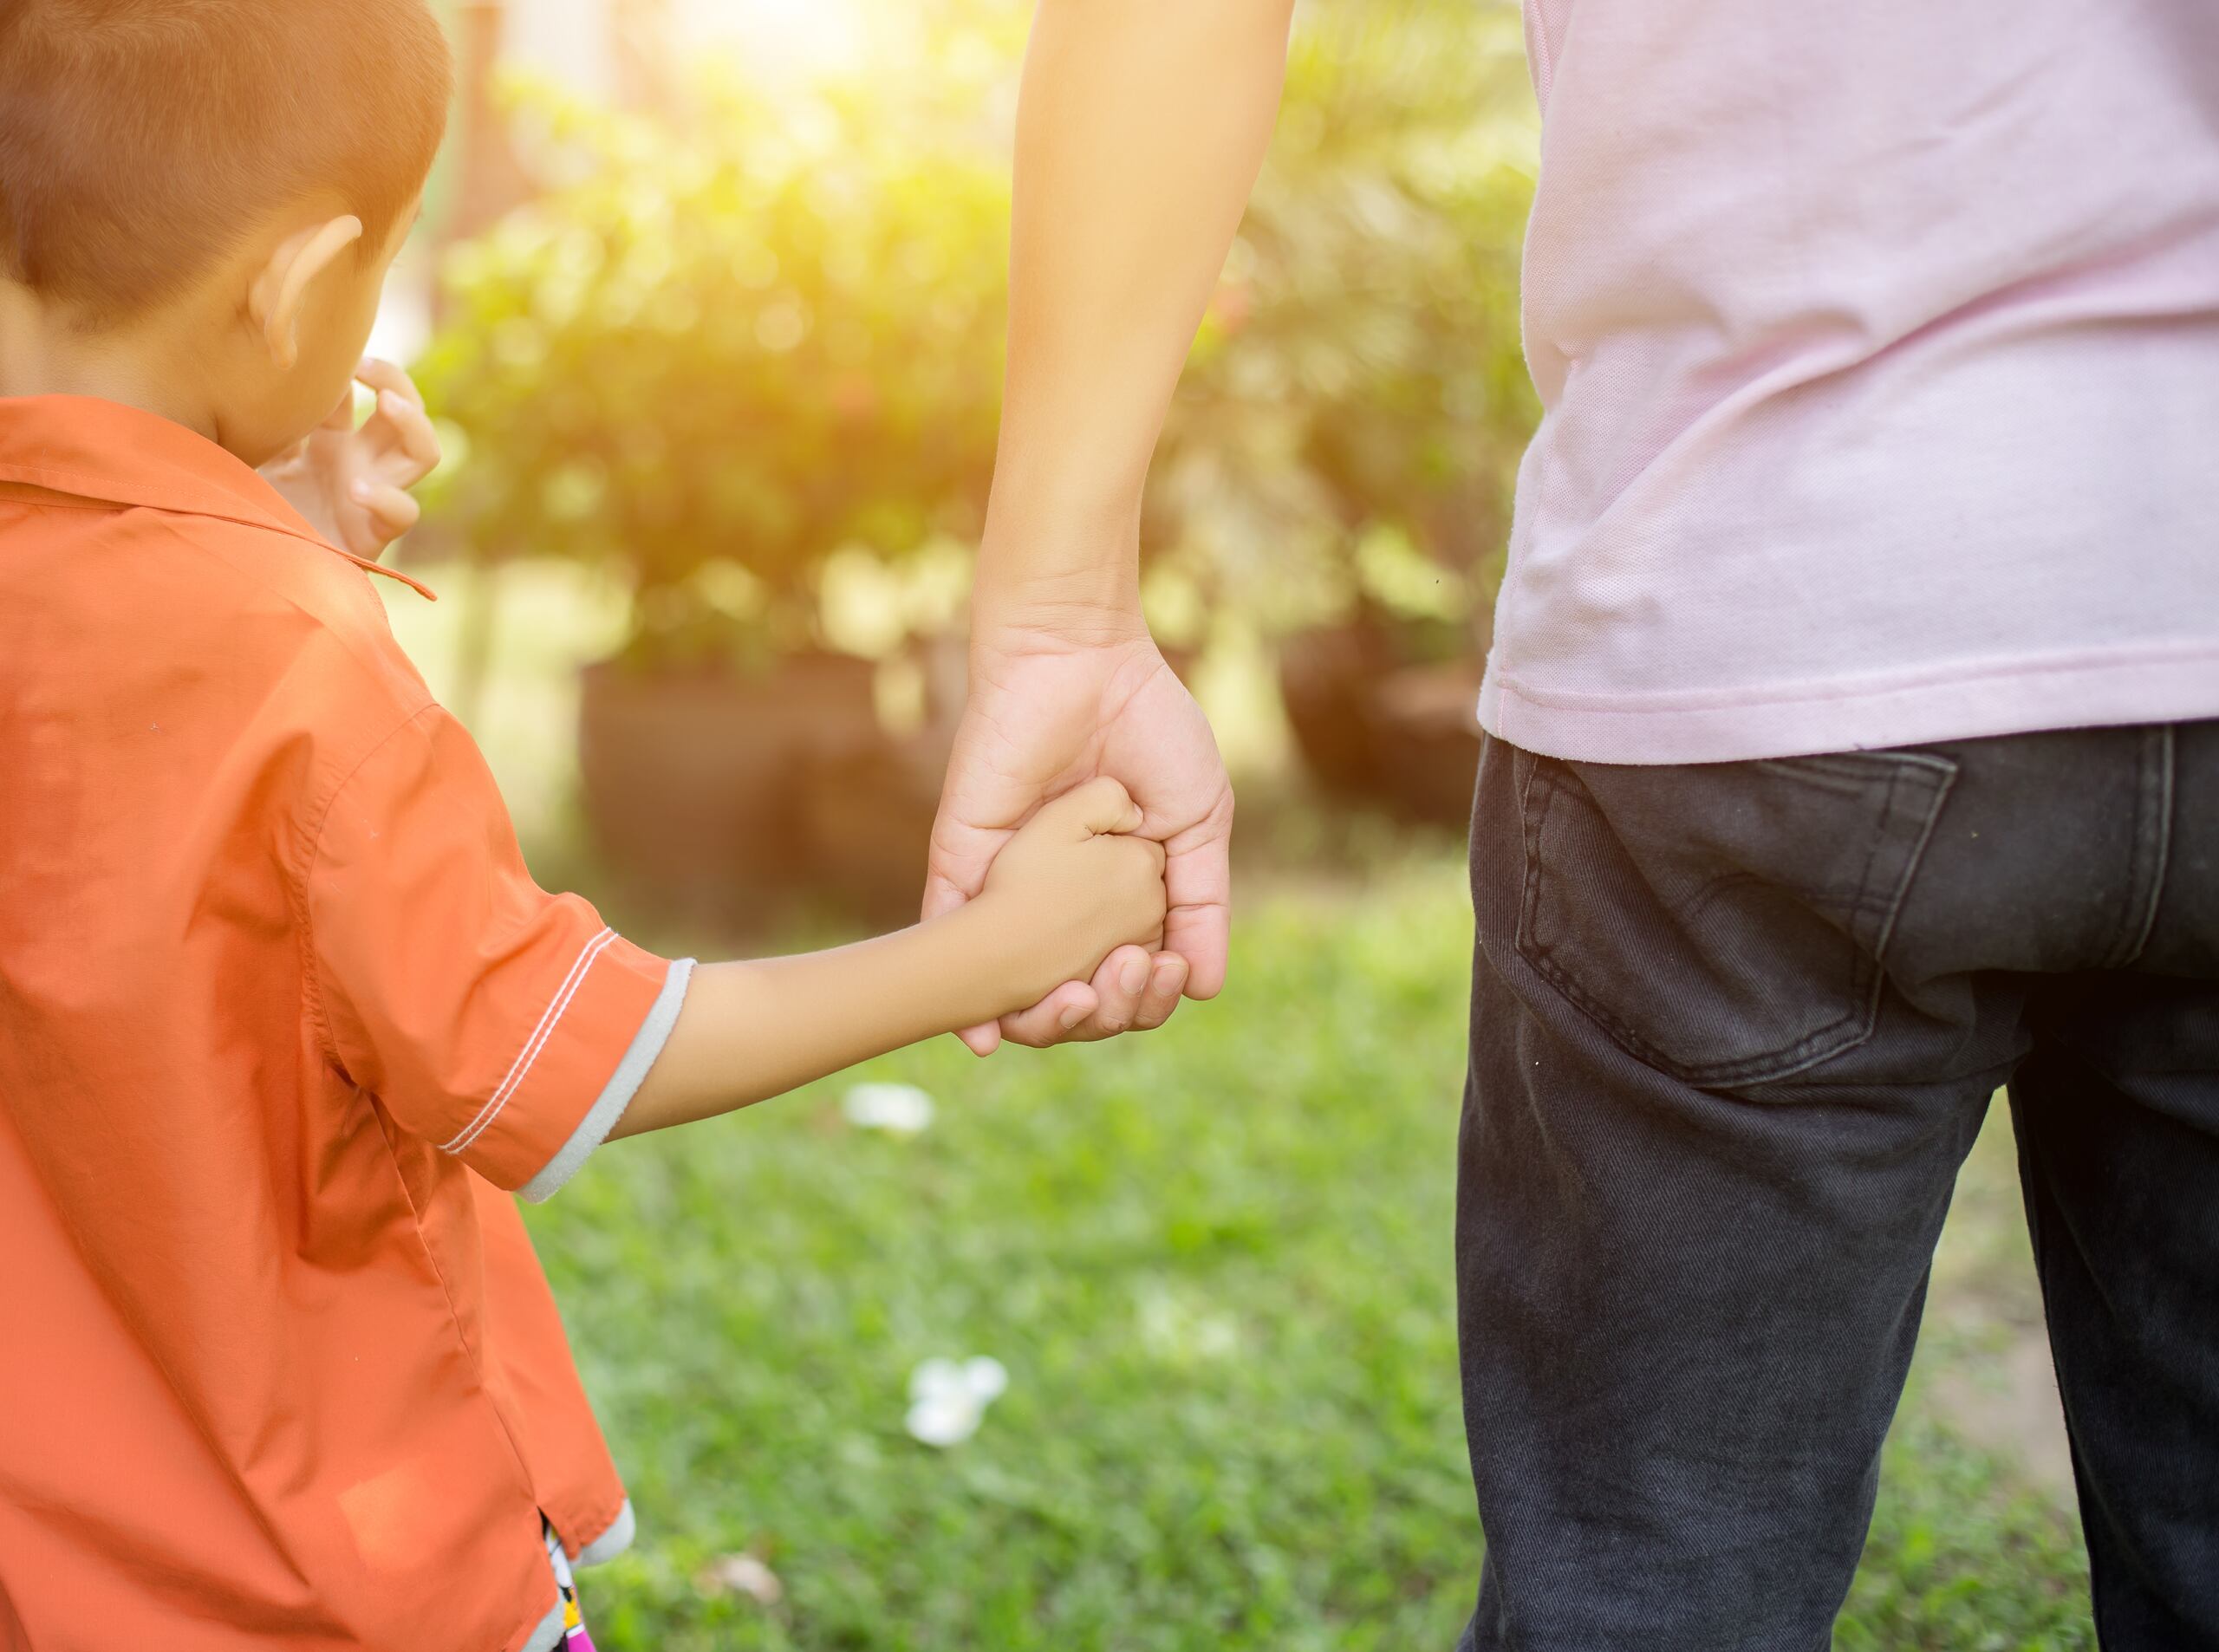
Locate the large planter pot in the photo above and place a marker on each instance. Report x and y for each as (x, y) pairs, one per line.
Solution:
(693, 780)
(867, 816)
(1426, 725)
(1326, 676)
(1374, 727)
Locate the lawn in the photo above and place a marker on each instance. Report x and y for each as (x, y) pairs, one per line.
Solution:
(1215, 1263)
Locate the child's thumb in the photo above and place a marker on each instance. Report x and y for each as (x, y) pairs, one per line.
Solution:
(1099, 805)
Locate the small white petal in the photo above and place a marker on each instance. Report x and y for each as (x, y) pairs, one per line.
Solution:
(899, 1109)
(945, 1420)
(986, 1378)
(936, 1378)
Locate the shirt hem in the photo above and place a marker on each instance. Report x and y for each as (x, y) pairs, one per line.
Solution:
(1975, 705)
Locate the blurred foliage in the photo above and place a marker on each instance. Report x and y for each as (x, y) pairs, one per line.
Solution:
(747, 334)
(1349, 426)
(759, 325)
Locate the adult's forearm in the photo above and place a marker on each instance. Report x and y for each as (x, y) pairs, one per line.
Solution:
(1142, 125)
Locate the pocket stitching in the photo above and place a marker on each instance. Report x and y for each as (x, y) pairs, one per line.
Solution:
(1538, 955)
(1820, 1044)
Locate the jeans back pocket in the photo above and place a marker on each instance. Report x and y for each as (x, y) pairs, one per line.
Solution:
(1723, 923)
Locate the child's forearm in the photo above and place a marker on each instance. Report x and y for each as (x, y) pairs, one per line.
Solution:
(759, 1028)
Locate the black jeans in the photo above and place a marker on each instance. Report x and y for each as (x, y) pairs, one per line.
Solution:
(1733, 1028)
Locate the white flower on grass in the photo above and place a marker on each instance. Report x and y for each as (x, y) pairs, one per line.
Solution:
(948, 1398)
(988, 1377)
(740, 1574)
(1176, 1328)
(899, 1109)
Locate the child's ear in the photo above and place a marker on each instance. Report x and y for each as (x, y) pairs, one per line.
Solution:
(281, 286)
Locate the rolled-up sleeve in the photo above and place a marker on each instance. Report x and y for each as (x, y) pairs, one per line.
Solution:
(502, 1024)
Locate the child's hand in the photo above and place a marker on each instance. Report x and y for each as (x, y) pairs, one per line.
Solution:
(353, 485)
(1073, 886)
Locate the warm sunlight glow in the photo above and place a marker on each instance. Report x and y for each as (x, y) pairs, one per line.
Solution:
(791, 39)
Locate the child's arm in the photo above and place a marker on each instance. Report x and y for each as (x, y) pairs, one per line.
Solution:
(1069, 887)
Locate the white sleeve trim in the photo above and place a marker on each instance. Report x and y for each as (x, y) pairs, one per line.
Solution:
(612, 1542)
(615, 1095)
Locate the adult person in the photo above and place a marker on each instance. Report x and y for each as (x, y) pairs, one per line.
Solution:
(1851, 753)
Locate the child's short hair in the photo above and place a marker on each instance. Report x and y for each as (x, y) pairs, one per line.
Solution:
(140, 139)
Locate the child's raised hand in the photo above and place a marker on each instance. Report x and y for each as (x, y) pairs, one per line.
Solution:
(1073, 885)
(351, 485)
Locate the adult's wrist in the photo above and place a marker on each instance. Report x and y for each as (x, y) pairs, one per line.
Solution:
(1060, 557)
(1074, 595)
(1033, 614)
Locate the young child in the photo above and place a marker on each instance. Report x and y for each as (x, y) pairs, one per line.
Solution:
(282, 1018)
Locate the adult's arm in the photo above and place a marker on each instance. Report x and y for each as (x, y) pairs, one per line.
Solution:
(1142, 125)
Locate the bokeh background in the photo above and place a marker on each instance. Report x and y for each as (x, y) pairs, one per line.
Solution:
(708, 301)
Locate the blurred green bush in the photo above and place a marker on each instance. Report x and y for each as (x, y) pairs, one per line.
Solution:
(737, 335)
(1348, 429)
(743, 337)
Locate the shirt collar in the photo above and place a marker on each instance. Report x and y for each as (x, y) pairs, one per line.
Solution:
(122, 455)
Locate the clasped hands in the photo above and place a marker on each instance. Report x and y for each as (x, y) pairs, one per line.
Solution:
(1060, 694)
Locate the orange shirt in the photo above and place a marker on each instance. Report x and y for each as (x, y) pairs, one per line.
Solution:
(278, 1001)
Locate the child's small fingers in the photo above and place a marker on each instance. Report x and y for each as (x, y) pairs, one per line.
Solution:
(1097, 806)
(1142, 857)
(391, 507)
(381, 375)
(412, 434)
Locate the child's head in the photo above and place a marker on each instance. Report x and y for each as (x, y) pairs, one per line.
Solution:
(210, 191)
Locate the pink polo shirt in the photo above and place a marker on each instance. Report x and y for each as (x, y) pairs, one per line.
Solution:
(1879, 351)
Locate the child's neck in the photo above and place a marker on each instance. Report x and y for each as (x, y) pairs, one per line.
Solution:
(45, 355)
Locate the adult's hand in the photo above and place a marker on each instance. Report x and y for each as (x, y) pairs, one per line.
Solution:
(1140, 129)
(1052, 706)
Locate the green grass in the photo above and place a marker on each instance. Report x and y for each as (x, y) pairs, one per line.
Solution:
(1963, 1558)
(1216, 1264)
